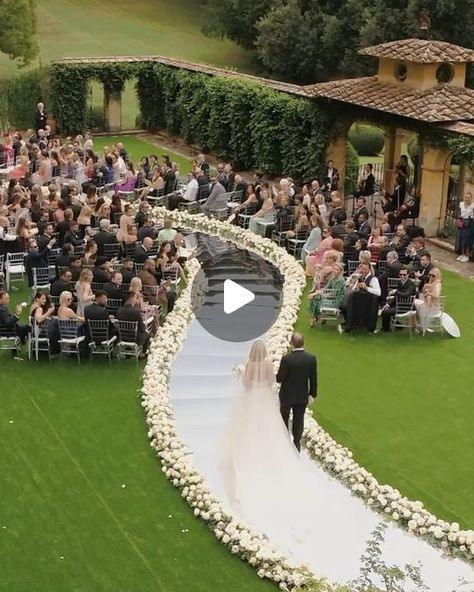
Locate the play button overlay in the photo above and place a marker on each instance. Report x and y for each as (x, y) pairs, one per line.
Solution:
(237, 295)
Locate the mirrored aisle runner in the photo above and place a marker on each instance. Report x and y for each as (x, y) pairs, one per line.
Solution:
(336, 524)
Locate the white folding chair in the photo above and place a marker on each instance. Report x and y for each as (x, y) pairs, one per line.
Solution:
(39, 339)
(41, 279)
(70, 342)
(14, 268)
(403, 314)
(328, 310)
(127, 345)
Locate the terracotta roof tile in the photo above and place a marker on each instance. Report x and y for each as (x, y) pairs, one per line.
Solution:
(460, 127)
(445, 102)
(422, 51)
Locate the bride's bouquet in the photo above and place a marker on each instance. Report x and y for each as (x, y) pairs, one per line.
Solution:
(238, 371)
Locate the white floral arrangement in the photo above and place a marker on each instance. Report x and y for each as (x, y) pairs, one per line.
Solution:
(242, 539)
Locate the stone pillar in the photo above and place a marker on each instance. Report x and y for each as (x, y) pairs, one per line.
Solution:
(434, 188)
(113, 112)
(389, 161)
(336, 152)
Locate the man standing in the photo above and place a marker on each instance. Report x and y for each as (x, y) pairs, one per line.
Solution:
(298, 378)
(41, 118)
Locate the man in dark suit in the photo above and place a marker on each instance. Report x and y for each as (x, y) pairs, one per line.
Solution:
(425, 267)
(63, 283)
(405, 288)
(130, 312)
(298, 379)
(204, 186)
(9, 322)
(127, 270)
(367, 183)
(41, 119)
(147, 230)
(169, 178)
(361, 208)
(37, 259)
(104, 237)
(72, 235)
(100, 271)
(44, 236)
(113, 289)
(142, 251)
(364, 228)
(331, 177)
(401, 240)
(391, 271)
(97, 311)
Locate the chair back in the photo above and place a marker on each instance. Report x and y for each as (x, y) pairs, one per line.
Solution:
(97, 286)
(404, 305)
(79, 250)
(52, 255)
(392, 283)
(138, 267)
(68, 329)
(285, 223)
(41, 278)
(113, 304)
(128, 331)
(171, 272)
(111, 250)
(99, 331)
(150, 293)
(15, 260)
(352, 266)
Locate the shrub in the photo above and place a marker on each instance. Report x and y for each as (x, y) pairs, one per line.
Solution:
(95, 120)
(366, 139)
(19, 95)
(352, 169)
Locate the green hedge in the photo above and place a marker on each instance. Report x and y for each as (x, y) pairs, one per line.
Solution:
(366, 139)
(250, 124)
(352, 169)
(19, 95)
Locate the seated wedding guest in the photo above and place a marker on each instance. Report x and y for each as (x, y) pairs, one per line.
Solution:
(130, 312)
(101, 271)
(85, 295)
(75, 266)
(130, 180)
(9, 322)
(73, 236)
(37, 259)
(388, 223)
(84, 220)
(416, 250)
(332, 294)
(143, 251)
(113, 289)
(314, 258)
(127, 233)
(167, 233)
(104, 237)
(405, 288)
(64, 282)
(90, 254)
(147, 229)
(350, 240)
(115, 207)
(400, 241)
(322, 272)
(189, 195)
(65, 312)
(322, 207)
(249, 199)
(45, 235)
(127, 270)
(360, 308)
(166, 261)
(178, 249)
(40, 309)
(97, 310)
(165, 294)
(314, 238)
(363, 226)
(266, 213)
(361, 208)
(217, 199)
(428, 304)
(63, 227)
(143, 211)
(338, 213)
(423, 270)
(384, 248)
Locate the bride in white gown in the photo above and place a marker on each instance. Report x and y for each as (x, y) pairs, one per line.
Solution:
(261, 469)
(309, 515)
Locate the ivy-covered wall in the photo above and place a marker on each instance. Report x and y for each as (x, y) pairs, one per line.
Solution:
(248, 123)
(19, 95)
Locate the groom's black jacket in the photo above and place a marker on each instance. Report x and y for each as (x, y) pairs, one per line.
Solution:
(298, 378)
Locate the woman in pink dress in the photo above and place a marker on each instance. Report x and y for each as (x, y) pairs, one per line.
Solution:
(23, 166)
(315, 257)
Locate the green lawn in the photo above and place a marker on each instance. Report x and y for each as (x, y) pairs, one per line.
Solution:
(85, 506)
(137, 147)
(404, 405)
(142, 27)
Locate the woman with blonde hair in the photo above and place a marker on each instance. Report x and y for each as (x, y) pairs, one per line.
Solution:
(84, 219)
(85, 295)
(65, 312)
(126, 233)
(428, 305)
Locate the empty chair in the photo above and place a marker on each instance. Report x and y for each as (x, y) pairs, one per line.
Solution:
(9, 341)
(41, 279)
(102, 338)
(14, 268)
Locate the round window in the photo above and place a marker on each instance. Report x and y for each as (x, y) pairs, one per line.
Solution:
(401, 71)
(444, 73)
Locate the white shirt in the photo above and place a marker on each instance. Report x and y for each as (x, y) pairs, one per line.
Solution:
(373, 287)
(467, 211)
(191, 191)
(122, 167)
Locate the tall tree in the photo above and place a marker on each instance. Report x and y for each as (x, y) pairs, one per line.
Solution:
(18, 30)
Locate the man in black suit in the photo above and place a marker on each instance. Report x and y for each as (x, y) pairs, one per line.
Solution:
(364, 228)
(41, 119)
(9, 322)
(361, 208)
(127, 270)
(130, 312)
(298, 379)
(100, 271)
(331, 177)
(37, 259)
(425, 267)
(142, 214)
(367, 183)
(113, 289)
(72, 235)
(97, 311)
(405, 288)
(147, 229)
(338, 213)
(142, 251)
(169, 178)
(63, 227)
(204, 185)
(104, 237)
(64, 282)
(46, 232)
(401, 240)
(352, 236)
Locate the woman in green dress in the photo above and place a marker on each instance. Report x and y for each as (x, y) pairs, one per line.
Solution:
(332, 295)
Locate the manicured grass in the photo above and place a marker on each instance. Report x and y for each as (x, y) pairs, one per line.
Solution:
(142, 27)
(85, 505)
(137, 147)
(404, 405)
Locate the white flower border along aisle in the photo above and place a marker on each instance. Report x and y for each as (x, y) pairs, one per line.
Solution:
(337, 460)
